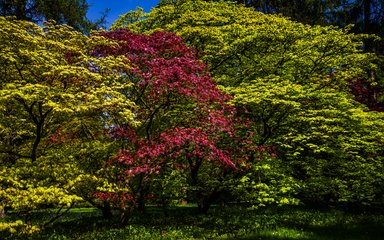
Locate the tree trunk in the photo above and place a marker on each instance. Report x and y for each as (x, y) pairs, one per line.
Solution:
(205, 202)
(126, 215)
(203, 207)
(105, 207)
(106, 210)
(36, 143)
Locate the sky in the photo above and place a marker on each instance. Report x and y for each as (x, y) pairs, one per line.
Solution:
(117, 7)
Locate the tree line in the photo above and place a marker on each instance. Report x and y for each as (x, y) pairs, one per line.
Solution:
(199, 101)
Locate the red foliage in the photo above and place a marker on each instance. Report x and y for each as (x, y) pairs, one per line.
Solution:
(172, 144)
(57, 137)
(367, 93)
(164, 65)
(167, 75)
(118, 198)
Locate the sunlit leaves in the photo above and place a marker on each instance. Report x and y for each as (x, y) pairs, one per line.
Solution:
(291, 81)
(53, 92)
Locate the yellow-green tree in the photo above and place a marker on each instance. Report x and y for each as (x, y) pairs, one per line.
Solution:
(56, 101)
(291, 80)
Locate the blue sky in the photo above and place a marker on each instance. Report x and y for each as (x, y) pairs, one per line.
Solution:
(117, 7)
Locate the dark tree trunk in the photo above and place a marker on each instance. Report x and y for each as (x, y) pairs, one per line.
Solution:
(203, 207)
(126, 215)
(36, 143)
(106, 210)
(141, 204)
(205, 202)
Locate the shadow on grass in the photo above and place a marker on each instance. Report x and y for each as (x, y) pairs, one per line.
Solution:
(221, 223)
(359, 231)
(329, 224)
(321, 233)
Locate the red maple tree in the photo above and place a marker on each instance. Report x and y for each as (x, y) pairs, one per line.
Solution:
(183, 115)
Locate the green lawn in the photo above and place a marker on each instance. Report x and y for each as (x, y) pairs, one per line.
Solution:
(221, 223)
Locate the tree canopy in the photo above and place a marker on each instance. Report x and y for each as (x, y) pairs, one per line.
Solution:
(199, 101)
(181, 111)
(52, 91)
(293, 81)
(70, 12)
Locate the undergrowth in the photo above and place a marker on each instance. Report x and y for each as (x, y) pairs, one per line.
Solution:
(182, 222)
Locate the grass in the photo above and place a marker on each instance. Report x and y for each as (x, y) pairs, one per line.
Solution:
(221, 223)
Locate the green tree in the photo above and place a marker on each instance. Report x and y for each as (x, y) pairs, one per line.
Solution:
(56, 101)
(366, 16)
(292, 81)
(72, 12)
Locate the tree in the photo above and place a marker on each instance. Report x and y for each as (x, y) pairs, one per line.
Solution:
(53, 95)
(71, 12)
(182, 114)
(307, 11)
(292, 81)
(366, 16)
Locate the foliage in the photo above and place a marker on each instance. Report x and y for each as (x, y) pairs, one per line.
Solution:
(128, 18)
(291, 82)
(70, 12)
(359, 16)
(364, 16)
(265, 184)
(53, 96)
(257, 109)
(183, 117)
